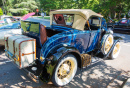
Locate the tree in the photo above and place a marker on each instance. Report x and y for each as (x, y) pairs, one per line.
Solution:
(1, 12)
(24, 6)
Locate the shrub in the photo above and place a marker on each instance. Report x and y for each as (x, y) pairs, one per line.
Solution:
(9, 14)
(116, 20)
(23, 12)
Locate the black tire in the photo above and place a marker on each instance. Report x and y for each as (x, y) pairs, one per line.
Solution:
(115, 52)
(65, 70)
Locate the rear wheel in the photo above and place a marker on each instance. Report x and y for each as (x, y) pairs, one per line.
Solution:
(65, 70)
(115, 52)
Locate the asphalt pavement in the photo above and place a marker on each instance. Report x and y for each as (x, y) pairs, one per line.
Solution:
(101, 74)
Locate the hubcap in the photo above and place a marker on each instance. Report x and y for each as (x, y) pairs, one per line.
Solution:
(116, 49)
(108, 44)
(64, 69)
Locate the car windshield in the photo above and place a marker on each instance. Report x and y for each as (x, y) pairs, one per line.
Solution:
(63, 19)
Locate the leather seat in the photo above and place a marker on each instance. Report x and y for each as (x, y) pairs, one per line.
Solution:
(43, 34)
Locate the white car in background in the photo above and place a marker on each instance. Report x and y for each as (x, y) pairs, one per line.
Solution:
(12, 28)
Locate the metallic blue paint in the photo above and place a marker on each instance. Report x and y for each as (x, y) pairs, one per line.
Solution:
(84, 41)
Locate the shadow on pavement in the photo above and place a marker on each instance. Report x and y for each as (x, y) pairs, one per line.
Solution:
(2, 49)
(12, 77)
(98, 75)
(126, 38)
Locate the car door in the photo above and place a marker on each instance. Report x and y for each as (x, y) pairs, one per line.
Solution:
(94, 38)
(95, 32)
(123, 24)
(81, 40)
(128, 26)
(119, 26)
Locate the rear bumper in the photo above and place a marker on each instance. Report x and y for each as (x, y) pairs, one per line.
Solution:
(28, 70)
(32, 76)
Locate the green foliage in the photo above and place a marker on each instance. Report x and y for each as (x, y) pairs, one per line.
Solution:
(122, 15)
(1, 12)
(24, 12)
(9, 14)
(31, 5)
(116, 20)
(105, 7)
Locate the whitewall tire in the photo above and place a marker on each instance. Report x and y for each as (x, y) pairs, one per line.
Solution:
(65, 70)
(116, 50)
(107, 43)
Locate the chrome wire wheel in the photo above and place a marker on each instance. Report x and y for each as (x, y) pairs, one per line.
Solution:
(115, 52)
(108, 44)
(65, 70)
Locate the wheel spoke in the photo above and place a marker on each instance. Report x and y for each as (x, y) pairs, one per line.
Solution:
(64, 69)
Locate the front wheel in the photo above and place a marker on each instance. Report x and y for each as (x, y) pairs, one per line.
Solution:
(107, 43)
(65, 70)
(115, 52)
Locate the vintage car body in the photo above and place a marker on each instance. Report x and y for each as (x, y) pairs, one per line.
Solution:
(74, 37)
(9, 28)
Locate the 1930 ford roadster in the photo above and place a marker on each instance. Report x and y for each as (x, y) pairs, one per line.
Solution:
(54, 53)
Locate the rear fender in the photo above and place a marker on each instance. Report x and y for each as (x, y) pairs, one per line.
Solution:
(53, 59)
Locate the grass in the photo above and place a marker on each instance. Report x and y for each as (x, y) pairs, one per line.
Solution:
(40, 17)
(45, 17)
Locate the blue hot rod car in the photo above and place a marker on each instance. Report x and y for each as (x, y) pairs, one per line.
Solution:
(74, 37)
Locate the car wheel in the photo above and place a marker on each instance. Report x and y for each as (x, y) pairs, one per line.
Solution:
(115, 52)
(107, 44)
(65, 70)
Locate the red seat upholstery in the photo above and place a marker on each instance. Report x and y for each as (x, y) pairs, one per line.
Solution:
(43, 34)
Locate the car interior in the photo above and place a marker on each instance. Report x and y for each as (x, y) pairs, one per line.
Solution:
(93, 22)
(63, 20)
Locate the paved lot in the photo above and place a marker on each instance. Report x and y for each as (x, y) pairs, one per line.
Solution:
(98, 75)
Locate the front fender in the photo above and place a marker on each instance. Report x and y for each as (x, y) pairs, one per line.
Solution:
(53, 59)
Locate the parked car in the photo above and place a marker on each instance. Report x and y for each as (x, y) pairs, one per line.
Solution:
(122, 26)
(54, 53)
(5, 21)
(12, 18)
(14, 28)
